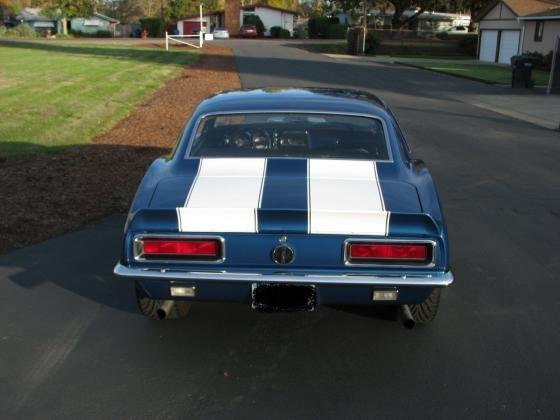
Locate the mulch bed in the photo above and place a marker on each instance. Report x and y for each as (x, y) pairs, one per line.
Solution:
(44, 195)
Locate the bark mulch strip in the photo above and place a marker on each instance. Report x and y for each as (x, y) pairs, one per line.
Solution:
(44, 195)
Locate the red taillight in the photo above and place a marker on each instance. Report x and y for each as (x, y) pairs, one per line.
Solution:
(389, 252)
(204, 249)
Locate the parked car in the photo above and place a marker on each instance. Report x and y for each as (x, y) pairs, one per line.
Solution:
(456, 30)
(285, 200)
(248, 31)
(221, 33)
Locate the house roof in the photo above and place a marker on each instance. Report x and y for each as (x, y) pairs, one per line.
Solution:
(100, 16)
(551, 14)
(215, 12)
(33, 14)
(521, 7)
(266, 6)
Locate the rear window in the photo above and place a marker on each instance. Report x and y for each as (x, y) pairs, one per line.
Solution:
(290, 135)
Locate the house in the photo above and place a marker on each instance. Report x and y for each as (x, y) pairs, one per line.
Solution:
(93, 24)
(32, 16)
(270, 16)
(425, 21)
(232, 18)
(511, 27)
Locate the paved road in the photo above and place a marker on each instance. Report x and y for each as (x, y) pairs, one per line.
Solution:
(72, 345)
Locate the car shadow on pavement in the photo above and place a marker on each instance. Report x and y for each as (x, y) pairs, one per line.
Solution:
(61, 190)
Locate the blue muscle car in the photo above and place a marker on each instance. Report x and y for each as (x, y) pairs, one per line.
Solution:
(286, 199)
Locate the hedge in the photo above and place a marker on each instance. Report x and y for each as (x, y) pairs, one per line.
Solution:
(336, 31)
(469, 44)
(319, 27)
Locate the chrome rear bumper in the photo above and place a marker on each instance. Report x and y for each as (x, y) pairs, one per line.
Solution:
(428, 280)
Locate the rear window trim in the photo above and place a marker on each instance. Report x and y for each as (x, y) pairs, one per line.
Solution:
(191, 139)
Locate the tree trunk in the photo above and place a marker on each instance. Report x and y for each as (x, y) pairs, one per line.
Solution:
(396, 23)
(64, 24)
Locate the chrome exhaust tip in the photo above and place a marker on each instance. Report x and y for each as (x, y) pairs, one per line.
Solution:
(406, 317)
(164, 309)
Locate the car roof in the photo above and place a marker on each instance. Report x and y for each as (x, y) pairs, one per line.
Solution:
(342, 101)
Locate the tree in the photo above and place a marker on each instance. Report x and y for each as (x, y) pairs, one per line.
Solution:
(126, 11)
(313, 8)
(68, 9)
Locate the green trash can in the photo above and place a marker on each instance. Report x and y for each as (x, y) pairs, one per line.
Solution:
(522, 71)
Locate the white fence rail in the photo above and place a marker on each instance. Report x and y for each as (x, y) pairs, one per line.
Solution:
(182, 39)
(178, 38)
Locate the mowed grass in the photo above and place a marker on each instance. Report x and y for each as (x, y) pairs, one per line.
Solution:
(58, 94)
(326, 48)
(488, 72)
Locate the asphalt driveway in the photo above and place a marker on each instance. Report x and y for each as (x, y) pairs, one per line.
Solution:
(71, 343)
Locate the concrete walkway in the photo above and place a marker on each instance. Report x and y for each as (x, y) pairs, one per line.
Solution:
(532, 106)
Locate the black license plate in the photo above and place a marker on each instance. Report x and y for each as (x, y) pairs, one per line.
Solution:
(272, 297)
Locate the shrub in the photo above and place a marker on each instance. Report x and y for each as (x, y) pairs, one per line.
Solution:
(255, 20)
(279, 32)
(275, 31)
(21, 31)
(336, 31)
(317, 27)
(469, 44)
(154, 26)
(354, 39)
(301, 32)
(285, 33)
(541, 60)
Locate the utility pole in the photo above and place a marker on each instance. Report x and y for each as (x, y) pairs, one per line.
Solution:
(364, 21)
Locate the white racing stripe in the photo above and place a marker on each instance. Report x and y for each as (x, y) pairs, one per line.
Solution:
(224, 196)
(345, 198)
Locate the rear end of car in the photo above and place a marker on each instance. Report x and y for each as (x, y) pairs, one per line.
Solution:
(221, 33)
(330, 269)
(248, 31)
(287, 211)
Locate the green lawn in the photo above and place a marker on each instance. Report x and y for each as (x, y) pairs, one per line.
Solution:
(62, 94)
(330, 48)
(488, 72)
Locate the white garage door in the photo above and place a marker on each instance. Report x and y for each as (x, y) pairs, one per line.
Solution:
(488, 45)
(509, 45)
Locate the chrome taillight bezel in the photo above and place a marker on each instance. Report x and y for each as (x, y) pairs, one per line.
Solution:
(431, 262)
(137, 248)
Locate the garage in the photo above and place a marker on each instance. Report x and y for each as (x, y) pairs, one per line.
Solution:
(488, 45)
(192, 27)
(499, 45)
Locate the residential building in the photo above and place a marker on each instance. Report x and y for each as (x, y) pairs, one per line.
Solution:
(33, 17)
(511, 27)
(232, 18)
(93, 24)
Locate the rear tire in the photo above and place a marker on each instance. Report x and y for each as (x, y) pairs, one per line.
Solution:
(150, 307)
(426, 311)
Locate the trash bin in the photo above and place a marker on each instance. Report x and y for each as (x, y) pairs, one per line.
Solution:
(521, 71)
